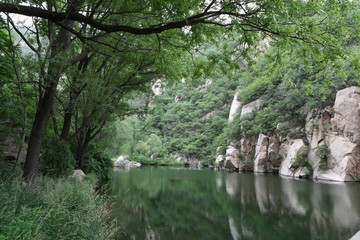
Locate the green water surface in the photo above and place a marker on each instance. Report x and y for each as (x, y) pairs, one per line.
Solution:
(169, 203)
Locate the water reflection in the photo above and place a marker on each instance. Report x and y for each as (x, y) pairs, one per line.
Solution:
(163, 203)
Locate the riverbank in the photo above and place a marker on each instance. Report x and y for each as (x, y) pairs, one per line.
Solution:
(61, 208)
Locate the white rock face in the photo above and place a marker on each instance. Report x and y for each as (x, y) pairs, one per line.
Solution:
(356, 236)
(248, 108)
(340, 133)
(347, 113)
(232, 158)
(219, 158)
(292, 147)
(235, 105)
(261, 154)
(78, 175)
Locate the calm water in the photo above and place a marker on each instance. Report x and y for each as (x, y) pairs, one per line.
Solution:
(169, 203)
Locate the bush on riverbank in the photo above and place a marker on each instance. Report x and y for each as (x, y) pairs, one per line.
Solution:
(61, 208)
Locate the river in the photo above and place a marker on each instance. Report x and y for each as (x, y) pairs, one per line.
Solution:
(178, 203)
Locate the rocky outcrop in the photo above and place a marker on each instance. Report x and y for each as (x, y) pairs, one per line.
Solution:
(247, 152)
(232, 158)
(338, 130)
(331, 150)
(261, 154)
(123, 162)
(12, 151)
(289, 151)
(219, 158)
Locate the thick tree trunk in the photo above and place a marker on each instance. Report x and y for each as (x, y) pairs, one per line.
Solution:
(45, 104)
(38, 133)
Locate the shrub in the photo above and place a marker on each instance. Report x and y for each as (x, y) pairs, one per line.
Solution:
(57, 159)
(141, 159)
(323, 166)
(322, 151)
(248, 165)
(301, 160)
(99, 162)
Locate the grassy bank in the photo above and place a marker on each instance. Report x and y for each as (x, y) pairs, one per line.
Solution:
(60, 208)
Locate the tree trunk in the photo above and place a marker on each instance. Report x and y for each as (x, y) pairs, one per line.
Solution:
(82, 148)
(38, 133)
(45, 104)
(67, 122)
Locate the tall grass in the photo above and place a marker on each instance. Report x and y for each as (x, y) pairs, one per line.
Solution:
(60, 208)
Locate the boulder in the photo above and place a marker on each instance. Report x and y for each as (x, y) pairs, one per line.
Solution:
(261, 154)
(343, 162)
(11, 150)
(131, 164)
(232, 158)
(123, 162)
(219, 158)
(289, 151)
(78, 174)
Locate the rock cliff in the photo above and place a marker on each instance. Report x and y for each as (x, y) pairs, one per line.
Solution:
(329, 150)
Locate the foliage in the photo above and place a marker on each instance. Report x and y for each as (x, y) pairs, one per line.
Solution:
(301, 160)
(323, 166)
(288, 86)
(57, 159)
(248, 165)
(55, 209)
(322, 151)
(99, 162)
(188, 120)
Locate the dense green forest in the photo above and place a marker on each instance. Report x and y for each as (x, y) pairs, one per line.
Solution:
(184, 120)
(192, 121)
